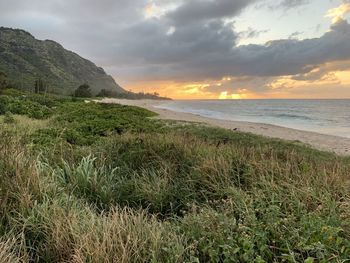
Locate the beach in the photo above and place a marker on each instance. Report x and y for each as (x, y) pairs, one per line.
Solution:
(338, 145)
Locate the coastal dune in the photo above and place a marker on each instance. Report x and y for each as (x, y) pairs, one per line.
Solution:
(338, 145)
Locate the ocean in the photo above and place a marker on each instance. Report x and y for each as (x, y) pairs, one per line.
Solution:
(323, 116)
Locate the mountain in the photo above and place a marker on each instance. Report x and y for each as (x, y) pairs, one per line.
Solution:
(25, 60)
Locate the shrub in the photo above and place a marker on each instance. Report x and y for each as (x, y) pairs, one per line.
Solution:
(24, 106)
(83, 91)
(86, 123)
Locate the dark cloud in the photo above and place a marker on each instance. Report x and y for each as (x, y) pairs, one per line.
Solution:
(199, 10)
(216, 56)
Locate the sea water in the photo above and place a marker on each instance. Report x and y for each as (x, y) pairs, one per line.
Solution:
(323, 116)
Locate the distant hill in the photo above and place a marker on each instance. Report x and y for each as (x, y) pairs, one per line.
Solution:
(25, 60)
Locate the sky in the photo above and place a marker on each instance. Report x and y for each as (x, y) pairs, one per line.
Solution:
(202, 49)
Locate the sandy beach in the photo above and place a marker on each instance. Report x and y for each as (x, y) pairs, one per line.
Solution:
(338, 145)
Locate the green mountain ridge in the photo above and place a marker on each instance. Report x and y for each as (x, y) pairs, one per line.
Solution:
(25, 59)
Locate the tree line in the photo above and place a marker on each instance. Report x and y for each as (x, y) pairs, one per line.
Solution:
(83, 91)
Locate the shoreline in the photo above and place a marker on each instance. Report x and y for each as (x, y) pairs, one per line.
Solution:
(338, 145)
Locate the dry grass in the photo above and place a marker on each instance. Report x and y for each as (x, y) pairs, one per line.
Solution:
(8, 251)
(25, 124)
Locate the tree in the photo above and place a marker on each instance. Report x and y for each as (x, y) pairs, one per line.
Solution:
(104, 93)
(39, 86)
(3, 80)
(83, 91)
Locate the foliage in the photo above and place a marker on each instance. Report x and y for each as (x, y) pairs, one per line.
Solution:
(12, 92)
(3, 80)
(104, 183)
(2, 107)
(83, 91)
(39, 86)
(24, 106)
(130, 95)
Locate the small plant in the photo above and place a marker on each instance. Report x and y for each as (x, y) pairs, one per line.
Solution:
(96, 184)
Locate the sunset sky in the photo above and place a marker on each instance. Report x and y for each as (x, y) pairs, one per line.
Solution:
(203, 48)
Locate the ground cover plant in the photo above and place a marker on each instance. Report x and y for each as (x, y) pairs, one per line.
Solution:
(89, 182)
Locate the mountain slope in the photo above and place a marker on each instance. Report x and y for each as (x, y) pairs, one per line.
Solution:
(25, 59)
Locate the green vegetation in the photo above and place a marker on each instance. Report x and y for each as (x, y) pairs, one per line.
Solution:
(131, 95)
(8, 118)
(3, 80)
(83, 91)
(88, 182)
(40, 86)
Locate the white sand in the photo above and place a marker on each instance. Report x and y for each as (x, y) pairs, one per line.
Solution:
(331, 143)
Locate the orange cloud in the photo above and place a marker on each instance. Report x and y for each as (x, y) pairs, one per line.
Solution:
(331, 80)
(338, 13)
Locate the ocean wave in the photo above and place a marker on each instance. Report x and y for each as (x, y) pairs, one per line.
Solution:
(292, 116)
(201, 112)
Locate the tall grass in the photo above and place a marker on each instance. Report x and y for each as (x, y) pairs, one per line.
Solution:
(167, 193)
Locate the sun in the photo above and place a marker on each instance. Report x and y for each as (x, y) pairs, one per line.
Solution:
(236, 96)
(226, 96)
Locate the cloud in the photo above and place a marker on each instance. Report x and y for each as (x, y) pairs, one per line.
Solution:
(196, 11)
(337, 14)
(284, 5)
(187, 54)
(288, 4)
(183, 41)
(295, 35)
(252, 33)
(238, 85)
(324, 72)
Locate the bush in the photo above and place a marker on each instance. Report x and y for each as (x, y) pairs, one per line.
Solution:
(85, 123)
(24, 106)
(83, 91)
